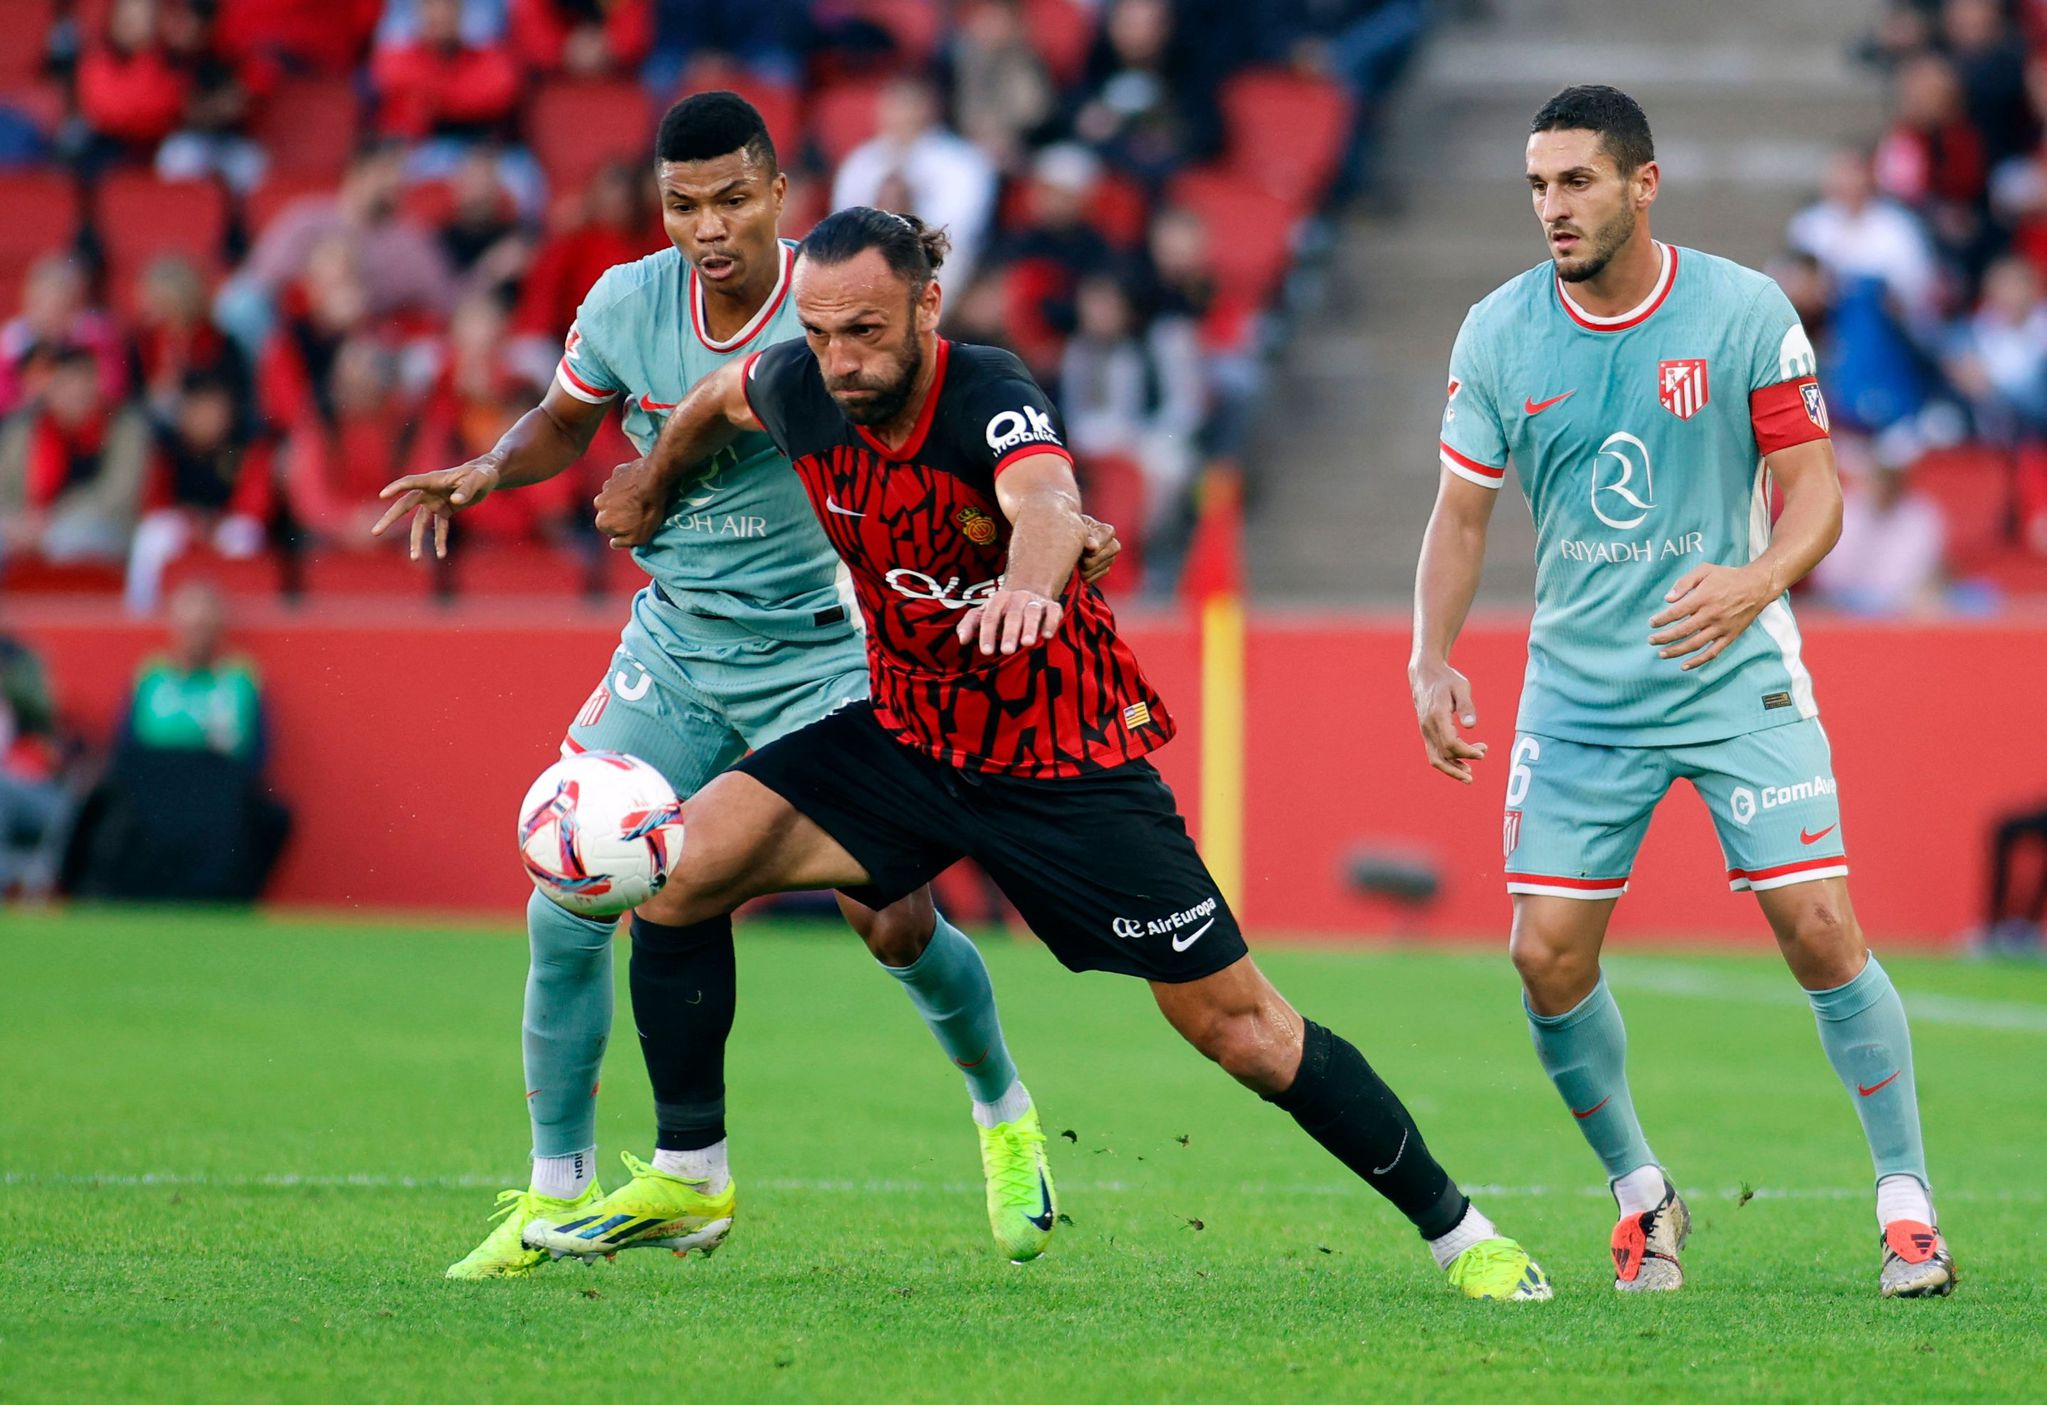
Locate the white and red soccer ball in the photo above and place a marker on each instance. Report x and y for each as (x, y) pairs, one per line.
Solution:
(599, 832)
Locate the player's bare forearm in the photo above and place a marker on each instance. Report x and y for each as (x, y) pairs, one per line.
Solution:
(1452, 562)
(1047, 528)
(1709, 606)
(709, 417)
(545, 440)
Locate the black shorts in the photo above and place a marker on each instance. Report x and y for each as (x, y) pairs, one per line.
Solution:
(1099, 865)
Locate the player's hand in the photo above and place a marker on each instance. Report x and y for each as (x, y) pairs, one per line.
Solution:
(1098, 551)
(1010, 620)
(1442, 704)
(1707, 608)
(630, 506)
(436, 498)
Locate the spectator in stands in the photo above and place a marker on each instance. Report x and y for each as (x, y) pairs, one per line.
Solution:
(950, 181)
(32, 800)
(1002, 93)
(1136, 108)
(1133, 391)
(334, 463)
(1888, 560)
(765, 37)
(303, 36)
(1998, 357)
(55, 315)
(1363, 45)
(1179, 286)
(212, 482)
(322, 311)
(71, 468)
(175, 337)
(131, 88)
(401, 265)
(980, 312)
(1933, 160)
(221, 96)
(1990, 62)
(449, 93)
(582, 38)
(196, 729)
(1857, 232)
(617, 225)
(483, 238)
(1047, 257)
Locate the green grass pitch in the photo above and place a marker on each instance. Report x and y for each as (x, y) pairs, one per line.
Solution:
(236, 1153)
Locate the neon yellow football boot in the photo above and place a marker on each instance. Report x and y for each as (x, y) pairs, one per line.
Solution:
(653, 1210)
(1498, 1269)
(1022, 1206)
(503, 1254)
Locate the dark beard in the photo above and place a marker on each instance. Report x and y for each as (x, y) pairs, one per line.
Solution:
(888, 400)
(1591, 265)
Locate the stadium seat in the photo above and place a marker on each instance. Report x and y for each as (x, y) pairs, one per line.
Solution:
(576, 125)
(376, 574)
(1286, 131)
(1119, 210)
(255, 577)
(309, 128)
(1062, 31)
(916, 26)
(1256, 229)
(22, 37)
(515, 569)
(842, 117)
(1116, 493)
(140, 218)
(42, 215)
(31, 575)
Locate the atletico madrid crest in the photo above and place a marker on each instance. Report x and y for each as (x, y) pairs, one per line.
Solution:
(1510, 834)
(1681, 386)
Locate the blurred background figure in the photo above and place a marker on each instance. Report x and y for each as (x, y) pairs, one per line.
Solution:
(1888, 560)
(32, 798)
(212, 483)
(56, 314)
(72, 464)
(2011, 926)
(948, 180)
(183, 811)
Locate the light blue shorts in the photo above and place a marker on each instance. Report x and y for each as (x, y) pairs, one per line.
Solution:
(1576, 813)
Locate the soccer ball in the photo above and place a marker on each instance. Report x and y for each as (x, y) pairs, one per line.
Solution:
(599, 831)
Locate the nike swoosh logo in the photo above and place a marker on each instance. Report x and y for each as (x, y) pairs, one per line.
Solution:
(652, 406)
(1398, 1152)
(1886, 1083)
(1805, 838)
(1533, 407)
(1043, 1221)
(1193, 936)
(831, 506)
(976, 1063)
(1581, 1116)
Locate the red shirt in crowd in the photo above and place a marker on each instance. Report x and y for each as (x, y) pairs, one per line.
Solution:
(137, 98)
(423, 91)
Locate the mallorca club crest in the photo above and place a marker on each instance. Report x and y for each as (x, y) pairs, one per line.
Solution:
(1681, 386)
(978, 525)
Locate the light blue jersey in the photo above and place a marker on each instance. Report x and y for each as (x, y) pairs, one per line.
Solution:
(1639, 444)
(742, 546)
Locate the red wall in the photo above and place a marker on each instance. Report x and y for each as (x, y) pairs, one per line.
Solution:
(404, 741)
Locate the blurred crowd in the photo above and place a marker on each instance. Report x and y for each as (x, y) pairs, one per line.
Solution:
(1921, 270)
(266, 255)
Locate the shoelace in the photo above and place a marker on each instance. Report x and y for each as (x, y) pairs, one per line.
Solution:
(1017, 1177)
(508, 1201)
(1482, 1257)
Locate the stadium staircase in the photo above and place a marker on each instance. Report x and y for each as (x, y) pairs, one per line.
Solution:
(1746, 98)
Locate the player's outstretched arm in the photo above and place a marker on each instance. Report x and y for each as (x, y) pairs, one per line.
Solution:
(1047, 531)
(545, 440)
(1452, 560)
(1710, 606)
(634, 500)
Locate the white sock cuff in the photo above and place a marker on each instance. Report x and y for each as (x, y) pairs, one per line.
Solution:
(1007, 1108)
(565, 1177)
(1903, 1197)
(1465, 1233)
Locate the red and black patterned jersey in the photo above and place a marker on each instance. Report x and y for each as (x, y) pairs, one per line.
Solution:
(924, 538)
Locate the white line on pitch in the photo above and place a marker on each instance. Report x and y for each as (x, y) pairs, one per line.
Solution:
(371, 1181)
(1967, 1010)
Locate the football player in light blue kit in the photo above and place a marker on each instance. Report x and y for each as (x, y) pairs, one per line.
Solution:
(742, 635)
(1647, 396)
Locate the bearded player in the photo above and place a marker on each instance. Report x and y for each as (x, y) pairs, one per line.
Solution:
(1648, 397)
(742, 635)
(1008, 722)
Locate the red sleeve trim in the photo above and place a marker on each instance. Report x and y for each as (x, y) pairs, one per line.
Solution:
(746, 386)
(1473, 464)
(1788, 413)
(1027, 451)
(583, 385)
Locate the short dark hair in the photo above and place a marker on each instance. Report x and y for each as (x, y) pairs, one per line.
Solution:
(704, 126)
(1622, 126)
(913, 249)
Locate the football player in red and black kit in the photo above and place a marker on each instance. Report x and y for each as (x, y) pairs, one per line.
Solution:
(1008, 722)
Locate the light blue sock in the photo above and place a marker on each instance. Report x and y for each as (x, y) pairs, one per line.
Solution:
(1585, 1053)
(567, 1025)
(949, 986)
(1863, 1030)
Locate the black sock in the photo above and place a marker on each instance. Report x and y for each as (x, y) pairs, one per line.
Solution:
(685, 985)
(1342, 1104)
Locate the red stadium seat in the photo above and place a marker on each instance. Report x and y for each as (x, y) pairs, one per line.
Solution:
(1251, 229)
(1119, 210)
(1286, 131)
(779, 104)
(1115, 492)
(140, 217)
(515, 569)
(380, 574)
(916, 26)
(576, 125)
(42, 216)
(252, 578)
(22, 36)
(309, 127)
(31, 575)
(1062, 32)
(843, 116)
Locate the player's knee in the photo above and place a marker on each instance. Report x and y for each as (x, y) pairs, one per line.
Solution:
(1825, 944)
(557, 937)
(1247, 1047)
(1551, 969)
